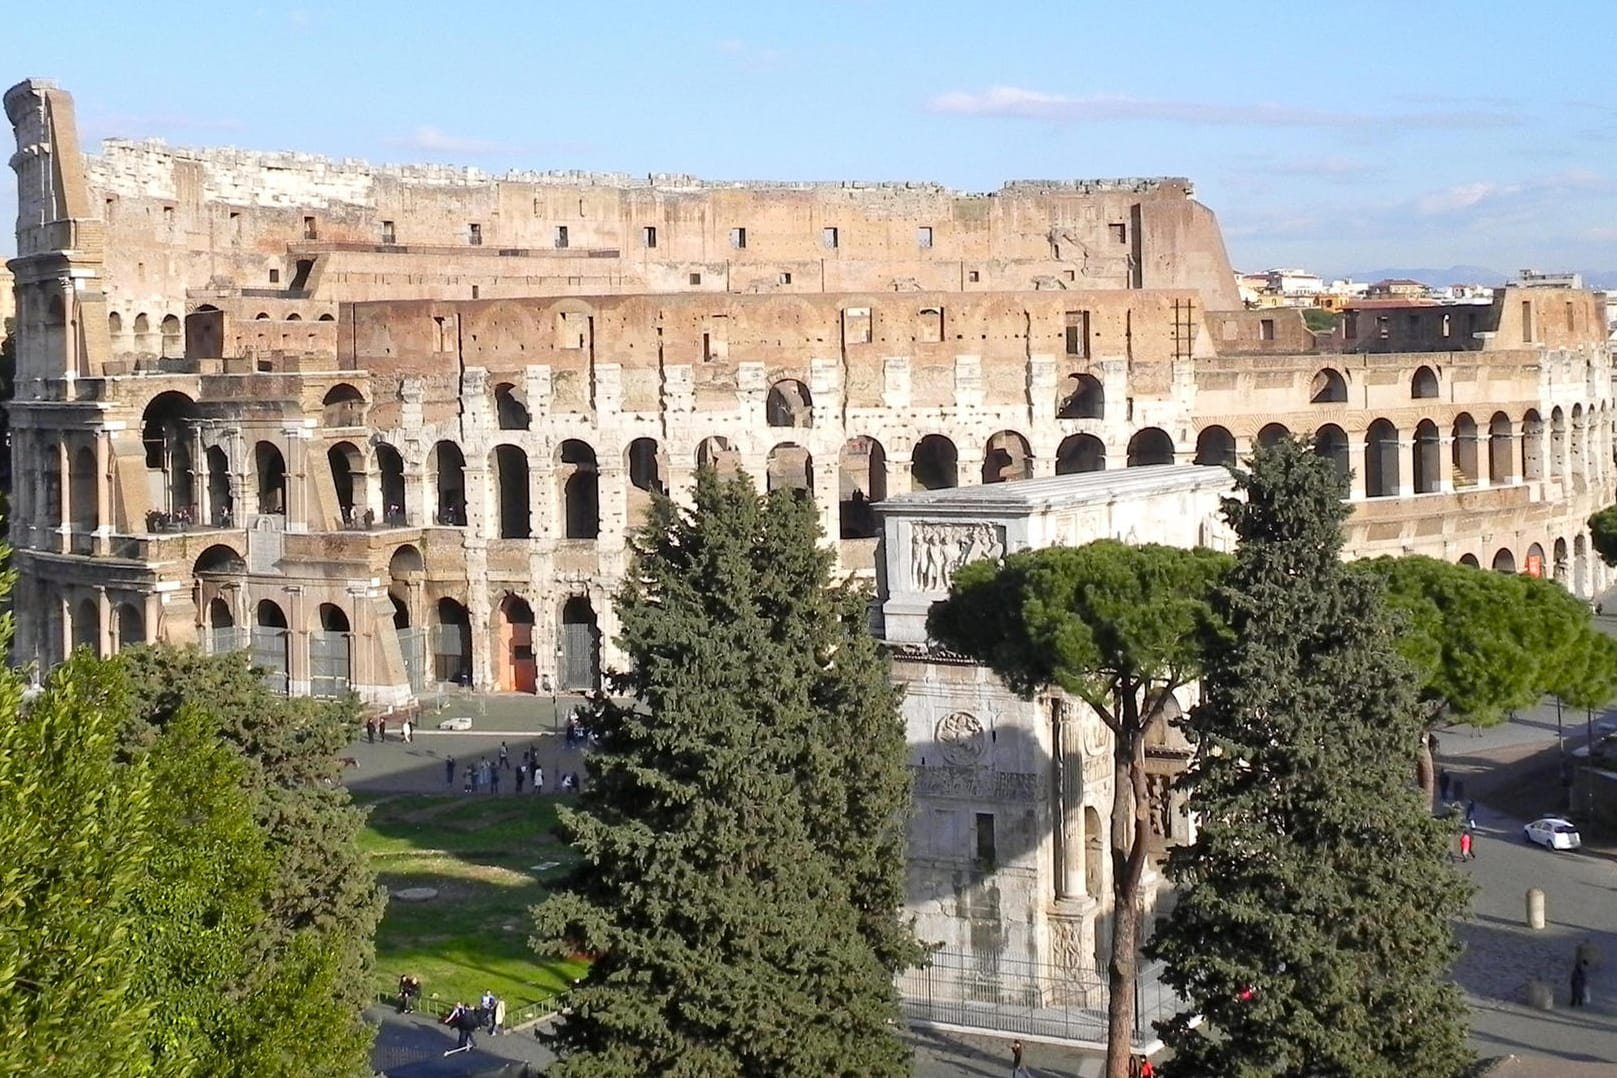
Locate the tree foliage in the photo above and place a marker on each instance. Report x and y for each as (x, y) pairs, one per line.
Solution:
(1121, 628)
(742, 830)
(1603, 534)
(1312, 934)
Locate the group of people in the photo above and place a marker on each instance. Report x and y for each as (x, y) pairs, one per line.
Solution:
(488, 1016)
(409, 993)
(485, 775)
(1466, 811)
(376, 729)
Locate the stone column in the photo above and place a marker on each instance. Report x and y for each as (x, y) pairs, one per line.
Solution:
(104, 616)
(64, 496)
(297, 642)
(1445, 462)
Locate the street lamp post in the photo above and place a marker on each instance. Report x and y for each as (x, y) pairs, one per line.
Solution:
(1589, 766)
(555, 685)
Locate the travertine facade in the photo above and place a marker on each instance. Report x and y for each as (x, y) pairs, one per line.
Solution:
(387, 426)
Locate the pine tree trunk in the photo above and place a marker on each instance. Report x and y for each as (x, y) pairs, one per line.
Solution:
(1425, 767)
(1130, 805)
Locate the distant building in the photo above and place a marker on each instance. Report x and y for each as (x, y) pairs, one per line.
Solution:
(1397, 288)
(1530, 279)
(1294, 282)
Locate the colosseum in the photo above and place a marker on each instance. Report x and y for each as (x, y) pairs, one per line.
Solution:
(388, 426)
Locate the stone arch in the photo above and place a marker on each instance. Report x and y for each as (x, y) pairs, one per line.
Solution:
(219, 561)
(1557, 443)
(1007, 457)
(717, 453)
(1423, 384)
(1080, 453)
(390, 469)
(168, 426)
(1081, 396)
(1151, 445)
(448, 467)
(1463, 450)
(861, 482)
(1560, 567)
(342, 406)
(326, 318)
(789, 404)
(580, 645)
(1094, 855)
(647, 468)
(173, 336)
(578, 483)
(1381, 478)
(1501, 450)
(451, 637)
(1215, 446)
(221, 498)
(1577, 461)
(143, 325)
(1273, 434)
(84, 493)
(331, 652)
(1428, 462)
(1504, 561)
(511, 480)
(115, 324)
(789, 467)
(1470, 560)
(87, 625)
(1331, 442)
(934, 464)
(1535, 560)
(518, 667)
(272, 644)
(1328, 387)
(347, 478)
(509, 410)
(269, 468)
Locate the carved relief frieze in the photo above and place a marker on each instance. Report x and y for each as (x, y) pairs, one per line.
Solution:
(937, 551)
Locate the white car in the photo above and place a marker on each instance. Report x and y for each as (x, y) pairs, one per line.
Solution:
(1554, 832)
(459, 722)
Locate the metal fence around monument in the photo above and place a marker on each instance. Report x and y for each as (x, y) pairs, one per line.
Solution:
(1035, 999)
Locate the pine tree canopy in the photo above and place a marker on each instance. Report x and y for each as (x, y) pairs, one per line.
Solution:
(1313, 930)
(1603, 534)
(742, 830)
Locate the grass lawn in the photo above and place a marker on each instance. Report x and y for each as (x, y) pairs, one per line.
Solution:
(480, 853)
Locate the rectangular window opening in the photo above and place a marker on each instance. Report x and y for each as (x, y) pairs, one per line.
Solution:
(828, 238)
(561, 236)
(856, 325)
(738, 238)
(972, 277)
(923, 237)
(474, 234)
(785, 278)
(476, 292)
(168, 215)
(696, 278)
(275, 276)
(388, 235)
(1078, 334)
(707, 348)
(986, 854)
(1266, 329)
(1527, 321)
(1120, 233)
(648, 236)
(310, 231)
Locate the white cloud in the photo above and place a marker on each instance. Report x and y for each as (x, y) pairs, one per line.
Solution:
(1018, 102)
(1468, 196)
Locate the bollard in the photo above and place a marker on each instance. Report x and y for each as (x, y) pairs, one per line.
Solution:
(1535, 908)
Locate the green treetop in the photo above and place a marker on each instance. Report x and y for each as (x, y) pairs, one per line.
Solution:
(741, 830)
(1312, 934)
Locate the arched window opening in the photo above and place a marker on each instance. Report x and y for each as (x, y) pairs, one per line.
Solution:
(789, 467)
(1150, 446)
(331, 653)
(717, 454)
(449, 483)
(271, 644)
(1501, 449)
(1561, 567)
(1273, 434)
(343, 406)
(173, 337)
(1577, 463)
(519, 669)
(390, 466)
(1557, 443)
(1535, 560)
(1007, 458)
(1428, 458)
(168, 429)
(1080, 453)
(87, 626)
(789, 404)
(143, 329)
(509, 410)
(580, 490)
(1423, 386)
(511, 473)
(1504, 561)
(451, 635)
(1381, 460)
(1532, 446)
(1215, 446)
(1463, 450)
(646, 468)
(221, 499)
(1081, 396)
(348, 480)
(861, 482)
(1470, 560)
(115, 324)
(83, 491)
(1094, 855)
(270, 468)
(1331, 442)
(935, 464)
(580, 646)
(1328, 387)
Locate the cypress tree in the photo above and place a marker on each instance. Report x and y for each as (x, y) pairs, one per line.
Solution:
(742, 830)
(1313, 931)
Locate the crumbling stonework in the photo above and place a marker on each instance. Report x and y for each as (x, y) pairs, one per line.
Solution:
(387, 426)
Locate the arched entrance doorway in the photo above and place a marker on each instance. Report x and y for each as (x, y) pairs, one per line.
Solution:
(270, 645)
(518, 672)
(331, 670)
(580, 646)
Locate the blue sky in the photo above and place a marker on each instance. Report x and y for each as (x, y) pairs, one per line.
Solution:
(1334, 136)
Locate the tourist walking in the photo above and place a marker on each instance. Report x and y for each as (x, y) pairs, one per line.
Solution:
(370, 729)
(408, 731)
(1466, 853)
(505, 756)
(1017, 1069)
(496, 1024)
(381, 728)
(1470, 815)
(449, 772)
(486, 1004)
(538, 779)
(1580, 983)
(471, 779)
(464, 1022)
(522, 773)
(494, 781)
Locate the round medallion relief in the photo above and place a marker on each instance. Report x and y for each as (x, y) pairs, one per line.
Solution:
(961, 737)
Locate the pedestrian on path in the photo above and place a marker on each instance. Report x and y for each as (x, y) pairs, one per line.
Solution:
(370, 729)
(471, 778)
(381, 728)
(505, 756)
(409, 732)
(1465, 847)
(1470, 815)
(522, 773)
(497, 1026)
(494, 782)
(449, 772)
(538, 779)
(1580, 983)
(1017, 1069)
